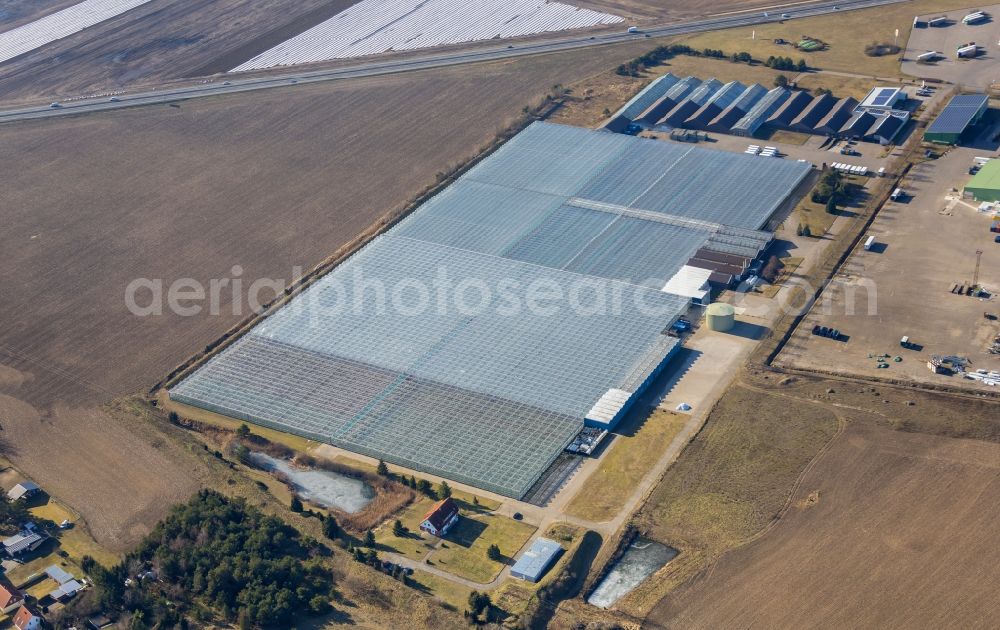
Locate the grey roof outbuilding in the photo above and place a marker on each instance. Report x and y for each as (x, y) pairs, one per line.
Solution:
(24, 489)
(534, 562)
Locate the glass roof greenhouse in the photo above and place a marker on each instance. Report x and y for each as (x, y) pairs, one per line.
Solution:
(429, 348)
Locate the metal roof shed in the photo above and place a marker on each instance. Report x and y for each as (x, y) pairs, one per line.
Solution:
(886, 128)
(985, 186)
(792, 107)
(962, 112)
(760, 112)
(691, 282)
(533, 564)
(647, 96)
(737, 110)
(812, 113)
(837, 116)
(23, 489)
(57, 573)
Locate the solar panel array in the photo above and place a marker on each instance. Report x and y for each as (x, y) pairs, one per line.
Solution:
(375, 26)
(60, 24)
(959, 112)
(477, 386)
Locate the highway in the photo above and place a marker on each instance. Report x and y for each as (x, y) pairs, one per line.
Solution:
(234, 83)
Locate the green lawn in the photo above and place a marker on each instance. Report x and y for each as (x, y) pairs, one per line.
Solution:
(463, 551)
(453, 594)
(414, 544)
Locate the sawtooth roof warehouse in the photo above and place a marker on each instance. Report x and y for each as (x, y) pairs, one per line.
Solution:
(491, 396)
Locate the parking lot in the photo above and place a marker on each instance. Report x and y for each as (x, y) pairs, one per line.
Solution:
(923, 245)
(868, 154)
(979, 72)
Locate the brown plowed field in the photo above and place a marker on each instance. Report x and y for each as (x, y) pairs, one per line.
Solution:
(14, 13)
(887, 530)
(163, 39)
(266, 181)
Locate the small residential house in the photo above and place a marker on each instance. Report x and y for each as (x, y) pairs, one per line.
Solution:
(24, 490)
(440, 518)
(10, 597)
(27, 619)
(24, 542)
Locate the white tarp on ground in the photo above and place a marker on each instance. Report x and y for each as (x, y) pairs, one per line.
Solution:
(376, 26)
(61, 24)
(690, 282)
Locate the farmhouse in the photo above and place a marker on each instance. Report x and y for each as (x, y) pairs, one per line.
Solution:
(440, 518)
(24, 490)
(27, 619)
(10, 597)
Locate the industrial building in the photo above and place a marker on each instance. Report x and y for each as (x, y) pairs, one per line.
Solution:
(882, 100)
(381, 357)
(669, 103)
(534, 562)
(985, 185)
(961, 113)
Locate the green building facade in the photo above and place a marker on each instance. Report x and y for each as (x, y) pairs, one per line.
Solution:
(964, 111)
(985, 186)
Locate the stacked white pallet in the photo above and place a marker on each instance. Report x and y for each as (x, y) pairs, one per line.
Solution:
(769, 152)
(753, 149)
(60, 24)
(376, 26)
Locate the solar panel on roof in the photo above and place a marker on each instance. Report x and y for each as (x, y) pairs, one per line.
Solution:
(957, 115)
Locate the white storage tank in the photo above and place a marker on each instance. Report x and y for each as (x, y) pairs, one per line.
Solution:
(720, 317)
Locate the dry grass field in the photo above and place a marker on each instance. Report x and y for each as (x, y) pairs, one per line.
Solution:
(270, 181)
(888, 530)
(673, 9)
(846, 33)
(628, 459)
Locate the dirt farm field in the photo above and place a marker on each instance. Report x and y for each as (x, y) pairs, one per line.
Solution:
(163, 39)
(267, 182)
(888, 530)
(901, 287)
(14, 13)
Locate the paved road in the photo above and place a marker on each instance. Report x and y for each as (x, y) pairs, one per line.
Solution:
(376, 67)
